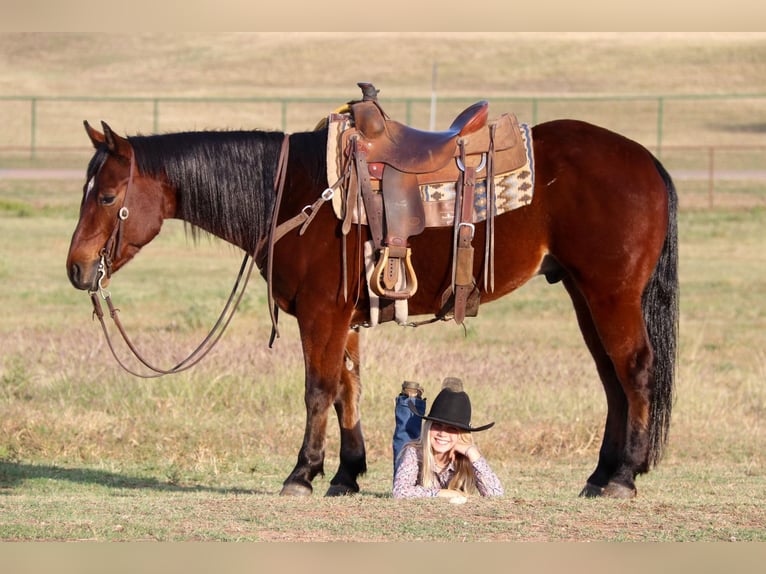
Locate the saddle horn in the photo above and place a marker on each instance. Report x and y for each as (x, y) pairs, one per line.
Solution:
(369, 92)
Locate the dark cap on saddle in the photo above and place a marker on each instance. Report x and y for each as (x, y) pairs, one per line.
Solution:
(452, 407)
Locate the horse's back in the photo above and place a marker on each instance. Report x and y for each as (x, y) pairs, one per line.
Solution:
(604, 200)
(589, 151)
(594, 175)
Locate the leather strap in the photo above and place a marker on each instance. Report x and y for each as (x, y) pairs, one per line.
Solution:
(373, 202)
(489, 239)
(464, 282)
(111, 249)
(349, 184)
(304, 217)
(279, 186)
(207, 344)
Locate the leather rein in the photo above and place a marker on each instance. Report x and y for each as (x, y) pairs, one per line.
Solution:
(111, 249)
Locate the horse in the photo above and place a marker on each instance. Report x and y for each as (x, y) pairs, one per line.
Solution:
(602, 222)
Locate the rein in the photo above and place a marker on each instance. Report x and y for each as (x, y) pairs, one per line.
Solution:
(197, 354)
(111, 249)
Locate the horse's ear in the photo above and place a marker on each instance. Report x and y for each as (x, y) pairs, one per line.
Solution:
(116, 144)
(96, 137)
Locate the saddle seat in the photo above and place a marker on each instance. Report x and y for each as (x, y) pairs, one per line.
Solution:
(408, 149)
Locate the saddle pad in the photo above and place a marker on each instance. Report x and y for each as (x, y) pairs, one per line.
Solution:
(513, 189)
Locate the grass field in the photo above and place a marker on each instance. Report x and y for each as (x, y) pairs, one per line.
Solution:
(90, 453)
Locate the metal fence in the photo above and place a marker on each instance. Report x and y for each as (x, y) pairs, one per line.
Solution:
(710, 139)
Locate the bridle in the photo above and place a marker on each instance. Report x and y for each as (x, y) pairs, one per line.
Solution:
(111, 250)
(112, 246)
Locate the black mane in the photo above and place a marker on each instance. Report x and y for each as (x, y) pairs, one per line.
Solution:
(224, 179)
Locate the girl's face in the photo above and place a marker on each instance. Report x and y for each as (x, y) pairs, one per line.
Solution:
(443, 438)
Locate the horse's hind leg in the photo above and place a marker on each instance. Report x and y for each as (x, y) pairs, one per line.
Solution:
(353, 460)
(613, 443)
(614, 330)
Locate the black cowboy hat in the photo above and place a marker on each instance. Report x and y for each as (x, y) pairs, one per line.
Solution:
(452, 407)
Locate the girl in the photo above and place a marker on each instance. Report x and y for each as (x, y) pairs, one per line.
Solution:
(444, 461)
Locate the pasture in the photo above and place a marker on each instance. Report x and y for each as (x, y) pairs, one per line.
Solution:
(88, 452)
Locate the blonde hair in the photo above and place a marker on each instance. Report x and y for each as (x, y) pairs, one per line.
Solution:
(464, 479)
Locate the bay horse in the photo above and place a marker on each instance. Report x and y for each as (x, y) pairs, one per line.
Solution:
(603, 222)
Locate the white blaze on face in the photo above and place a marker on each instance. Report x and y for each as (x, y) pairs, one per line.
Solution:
(91, 185)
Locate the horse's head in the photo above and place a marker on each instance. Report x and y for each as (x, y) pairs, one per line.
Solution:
(121, 211)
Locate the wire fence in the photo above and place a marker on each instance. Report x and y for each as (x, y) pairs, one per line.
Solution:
(713, 144)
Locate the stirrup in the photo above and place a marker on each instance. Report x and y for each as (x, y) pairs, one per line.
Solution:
(411, 281)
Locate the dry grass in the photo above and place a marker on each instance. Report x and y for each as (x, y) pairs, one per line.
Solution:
(285, 64)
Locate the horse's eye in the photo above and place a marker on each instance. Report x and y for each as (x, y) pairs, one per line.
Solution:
(107, 199)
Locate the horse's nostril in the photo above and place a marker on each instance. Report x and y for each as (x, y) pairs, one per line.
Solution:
(75, 275)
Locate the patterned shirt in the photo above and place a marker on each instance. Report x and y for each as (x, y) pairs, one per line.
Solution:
(406, 478)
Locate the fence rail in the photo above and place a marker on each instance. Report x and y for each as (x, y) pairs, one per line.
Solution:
(708, 139)
(658, 113)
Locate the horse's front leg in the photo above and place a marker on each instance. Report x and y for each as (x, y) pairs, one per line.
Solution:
(323, 337)
(353, 458)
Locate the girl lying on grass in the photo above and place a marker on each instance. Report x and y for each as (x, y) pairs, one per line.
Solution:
(444, 461)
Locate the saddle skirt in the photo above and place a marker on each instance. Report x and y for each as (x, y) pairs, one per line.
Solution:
(514, 174)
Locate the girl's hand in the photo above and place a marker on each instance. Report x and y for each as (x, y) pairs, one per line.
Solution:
(468, 450)
(449, 493)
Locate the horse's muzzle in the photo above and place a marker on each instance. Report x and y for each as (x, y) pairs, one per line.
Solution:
(84, 277)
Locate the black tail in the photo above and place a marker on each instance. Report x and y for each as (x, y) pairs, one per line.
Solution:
(660, 308)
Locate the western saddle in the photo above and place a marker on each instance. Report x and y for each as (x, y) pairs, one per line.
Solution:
(387, 162)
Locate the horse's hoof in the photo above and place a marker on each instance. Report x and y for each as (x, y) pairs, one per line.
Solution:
(340, 490)
(295, 489)
(611, 490)
(617, 490)
(591, 491)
